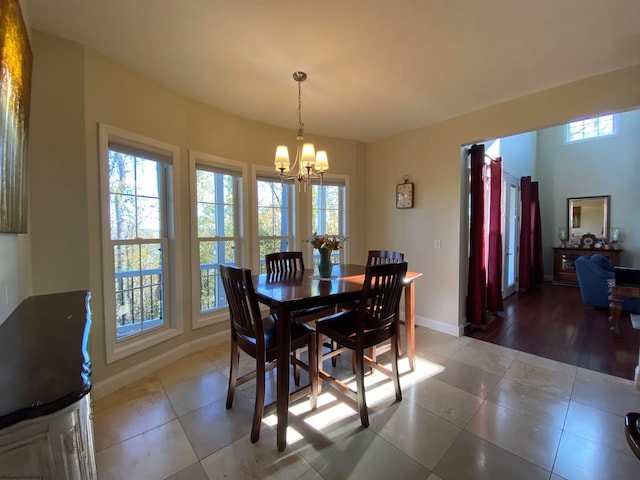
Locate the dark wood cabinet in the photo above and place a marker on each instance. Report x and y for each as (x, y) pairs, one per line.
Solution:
(564, 270)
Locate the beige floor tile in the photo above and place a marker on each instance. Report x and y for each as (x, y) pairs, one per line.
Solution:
(128, 419)
(517, 433)
(608, 393)
(582, 459)
(144, 386)
(555, 382)
(218, 354)
(184, 368)
(547, 363)
(213, 427)
(311, 474)
(153, 455)
(531, 401)
(471, 457)
(489, 359)
(598, 426)
(470, 379)
(451, 403)
(197, 392)
(193, 472)
(423, 436)
(362, 454)
(260, 460)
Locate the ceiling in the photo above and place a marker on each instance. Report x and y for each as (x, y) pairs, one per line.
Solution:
(376, 67)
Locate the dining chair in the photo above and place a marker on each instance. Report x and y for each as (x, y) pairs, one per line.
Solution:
(373, 322)
(256, 336)
(380, 257)
(282, 263)
(377, 257)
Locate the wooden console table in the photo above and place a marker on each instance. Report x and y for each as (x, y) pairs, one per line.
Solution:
(45, 409)
(564, 270)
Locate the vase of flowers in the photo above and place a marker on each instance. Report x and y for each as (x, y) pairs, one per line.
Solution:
(325, 246)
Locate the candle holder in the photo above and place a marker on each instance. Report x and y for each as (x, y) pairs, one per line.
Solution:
(616, 236)
(564, 236)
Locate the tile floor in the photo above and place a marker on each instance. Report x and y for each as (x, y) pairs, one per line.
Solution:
(471, 410)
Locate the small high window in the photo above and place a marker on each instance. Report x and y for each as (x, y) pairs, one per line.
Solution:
(589, 128)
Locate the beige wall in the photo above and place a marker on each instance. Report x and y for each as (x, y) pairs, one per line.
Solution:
(431, 156)
(78, 88)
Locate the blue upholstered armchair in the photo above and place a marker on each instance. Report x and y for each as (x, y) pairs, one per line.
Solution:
(593, 273)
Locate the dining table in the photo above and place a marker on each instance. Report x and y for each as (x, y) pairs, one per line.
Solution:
(290, 291)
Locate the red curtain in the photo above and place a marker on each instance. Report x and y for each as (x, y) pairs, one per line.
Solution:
(494, 254)
(477, 286)
(484, 290)
(531, 269)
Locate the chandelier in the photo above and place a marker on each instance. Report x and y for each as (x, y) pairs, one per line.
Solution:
(308, 163)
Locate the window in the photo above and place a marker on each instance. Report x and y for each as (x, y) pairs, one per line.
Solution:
(275, 217)
(216, 236)
(139, 241)
(603, 126)
(328, 215)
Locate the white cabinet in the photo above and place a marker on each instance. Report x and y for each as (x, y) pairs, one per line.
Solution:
(56, 446)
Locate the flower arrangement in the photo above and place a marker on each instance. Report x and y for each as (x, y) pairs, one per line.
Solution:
(322, 242)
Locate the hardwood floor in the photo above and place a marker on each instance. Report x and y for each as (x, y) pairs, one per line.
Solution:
(551, 321)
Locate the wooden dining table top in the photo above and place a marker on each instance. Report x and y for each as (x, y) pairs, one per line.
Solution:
(304, 288)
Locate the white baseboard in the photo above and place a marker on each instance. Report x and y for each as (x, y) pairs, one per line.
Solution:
(115, 382)
(454, 330)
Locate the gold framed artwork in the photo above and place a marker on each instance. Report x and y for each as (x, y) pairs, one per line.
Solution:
(15, 96)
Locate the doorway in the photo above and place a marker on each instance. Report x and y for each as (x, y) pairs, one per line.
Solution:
(510, 232)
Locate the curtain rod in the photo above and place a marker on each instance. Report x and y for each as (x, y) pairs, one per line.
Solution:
(486, 155)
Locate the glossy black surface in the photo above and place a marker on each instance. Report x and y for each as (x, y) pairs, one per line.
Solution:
(632, 431)
(44, 363)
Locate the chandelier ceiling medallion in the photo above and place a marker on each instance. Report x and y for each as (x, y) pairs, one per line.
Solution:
(308, 163)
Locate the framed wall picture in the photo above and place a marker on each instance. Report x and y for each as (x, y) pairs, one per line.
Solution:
(404, 194)
(15, 97)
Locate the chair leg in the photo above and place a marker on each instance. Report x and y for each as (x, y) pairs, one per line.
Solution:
(362, 402)
(334, 346)
(233, 372)
(296, 369)
(394, 367)
(319, 346)
(313, 370)
(258, 409)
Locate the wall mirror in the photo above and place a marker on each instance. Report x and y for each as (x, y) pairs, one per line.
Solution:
(588, 215)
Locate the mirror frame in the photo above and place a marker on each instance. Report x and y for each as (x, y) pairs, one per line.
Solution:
(605, 221)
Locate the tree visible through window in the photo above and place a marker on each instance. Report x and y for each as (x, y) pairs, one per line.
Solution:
(139, 240)
(274, 217)
(601, 126)
(218, 239)
(328, 215)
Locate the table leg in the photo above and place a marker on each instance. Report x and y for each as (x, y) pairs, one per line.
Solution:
(615, 309)
(410, 324)
(282, 377)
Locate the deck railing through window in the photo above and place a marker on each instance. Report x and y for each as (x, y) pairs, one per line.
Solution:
(139, 301)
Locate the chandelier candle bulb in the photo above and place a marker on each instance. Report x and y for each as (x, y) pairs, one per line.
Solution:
(308, 163)
(322, 162)
(282, 158)
(308, 155)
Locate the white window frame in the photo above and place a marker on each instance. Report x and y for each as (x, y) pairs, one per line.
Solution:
(196, 159)
(343, 181)
(259, 173)
(596, 119)
(118, 349)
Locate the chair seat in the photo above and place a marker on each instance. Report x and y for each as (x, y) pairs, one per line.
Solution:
(270, 326)
(344, 324)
